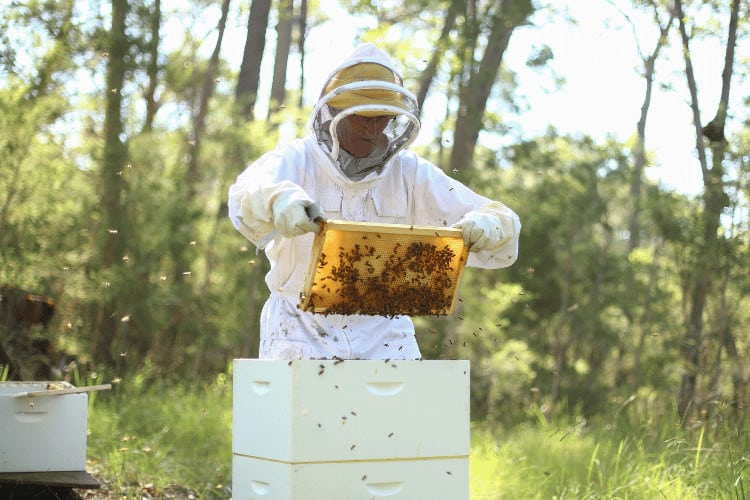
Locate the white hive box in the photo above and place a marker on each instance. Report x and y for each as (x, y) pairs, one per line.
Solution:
(438, 479)
(321, 410)
(41, 434)
(331, 429)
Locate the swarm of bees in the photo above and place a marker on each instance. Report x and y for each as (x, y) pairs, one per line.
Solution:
(386, 274)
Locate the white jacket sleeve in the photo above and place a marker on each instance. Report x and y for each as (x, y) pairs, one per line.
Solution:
(445, 201)
(275, 178)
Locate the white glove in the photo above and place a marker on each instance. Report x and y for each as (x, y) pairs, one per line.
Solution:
(295, 217)
(482, 231)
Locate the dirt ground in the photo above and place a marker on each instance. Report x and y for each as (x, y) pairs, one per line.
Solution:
(105, 492)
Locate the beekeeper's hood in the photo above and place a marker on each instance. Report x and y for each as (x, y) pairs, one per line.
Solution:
(366, 83)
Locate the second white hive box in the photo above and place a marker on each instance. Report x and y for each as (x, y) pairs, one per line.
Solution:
(435, 479)
(329, 410)
(40, 434)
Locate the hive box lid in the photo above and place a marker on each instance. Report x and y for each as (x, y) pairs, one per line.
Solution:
(321, 410)
(41, 434)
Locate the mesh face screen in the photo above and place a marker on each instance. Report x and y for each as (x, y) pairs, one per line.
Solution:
(384, 269)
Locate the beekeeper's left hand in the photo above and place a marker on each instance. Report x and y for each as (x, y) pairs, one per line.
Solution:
(482, 231)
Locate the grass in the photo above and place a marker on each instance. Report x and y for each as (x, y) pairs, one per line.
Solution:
(614, 460)
(154, 440)
(160, 438)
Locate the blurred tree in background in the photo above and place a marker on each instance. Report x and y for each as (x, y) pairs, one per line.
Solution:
(123, 123)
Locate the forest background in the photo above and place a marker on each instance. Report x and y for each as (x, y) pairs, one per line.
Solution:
(119, 139)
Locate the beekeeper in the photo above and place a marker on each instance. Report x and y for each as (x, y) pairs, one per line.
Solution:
(354, 166)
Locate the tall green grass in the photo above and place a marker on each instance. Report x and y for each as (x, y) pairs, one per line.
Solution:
(612, 458)
(159, 437)
(155, 438)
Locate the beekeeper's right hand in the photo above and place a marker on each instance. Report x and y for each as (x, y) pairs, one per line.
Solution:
(483, 231)
(293, 217)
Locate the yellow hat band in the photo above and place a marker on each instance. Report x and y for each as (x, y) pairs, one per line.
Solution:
(346, 100)
(375, 94)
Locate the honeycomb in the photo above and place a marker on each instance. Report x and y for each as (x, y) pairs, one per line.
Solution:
(383, 269)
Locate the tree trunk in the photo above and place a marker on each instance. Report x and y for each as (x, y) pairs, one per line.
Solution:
(113, 232)
(199, 117)
(636, 184)
(256, 287)
(152, 70)
(246, 92)
(283, 47)
(301, 49)
(182, 217)
(729, 344)
(639, 160)
(560, 333)
(428, 75)
(713, 203)
(508, 15)
(646, 318)
(12, 163)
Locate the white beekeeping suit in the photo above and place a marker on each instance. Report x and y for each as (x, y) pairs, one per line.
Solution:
(274, 200)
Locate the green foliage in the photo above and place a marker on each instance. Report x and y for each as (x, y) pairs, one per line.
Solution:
(622, 455)
(157, 438)
(580, 323)
(598, 319)
(152, 437)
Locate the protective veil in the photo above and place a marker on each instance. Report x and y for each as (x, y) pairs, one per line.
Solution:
(398, 187)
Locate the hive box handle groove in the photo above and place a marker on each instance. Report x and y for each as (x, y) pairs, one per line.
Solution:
(260, 488)
(30, 417)
(261, 387)
(384, 388)
(385, 489)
